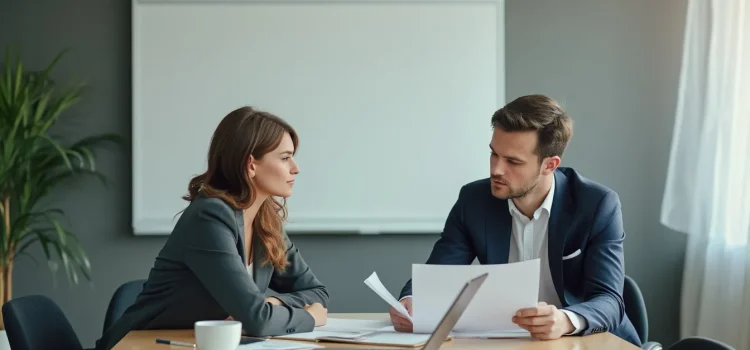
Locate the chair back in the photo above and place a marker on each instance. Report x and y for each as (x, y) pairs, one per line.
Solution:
(635, 308)
(35, 322)
(697, 343)
(124, 296)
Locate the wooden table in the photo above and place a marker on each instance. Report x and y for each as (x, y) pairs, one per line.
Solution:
(146, 340)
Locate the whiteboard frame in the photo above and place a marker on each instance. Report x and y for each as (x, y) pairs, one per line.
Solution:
(307, 225)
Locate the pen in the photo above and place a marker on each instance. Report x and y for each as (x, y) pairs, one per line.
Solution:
(176, 343)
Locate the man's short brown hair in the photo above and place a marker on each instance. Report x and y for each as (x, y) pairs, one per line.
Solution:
(542, 114)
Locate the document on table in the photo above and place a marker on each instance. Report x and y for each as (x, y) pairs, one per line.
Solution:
(353, 325)
(341, 328)
(515, 333)
(508, 288)
(278, 345)
(353, 331)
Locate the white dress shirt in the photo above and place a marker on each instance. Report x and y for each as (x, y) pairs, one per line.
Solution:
(528, 242)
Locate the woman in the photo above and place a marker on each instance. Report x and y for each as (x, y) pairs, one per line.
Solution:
(228, 255)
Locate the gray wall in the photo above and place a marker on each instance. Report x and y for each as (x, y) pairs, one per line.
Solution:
(613, 64)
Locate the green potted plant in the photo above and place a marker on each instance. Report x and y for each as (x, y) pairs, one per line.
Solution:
(32, 162)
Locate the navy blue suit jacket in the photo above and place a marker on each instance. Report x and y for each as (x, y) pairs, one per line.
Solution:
(585, 215)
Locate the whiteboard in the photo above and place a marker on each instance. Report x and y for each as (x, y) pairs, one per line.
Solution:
(392, 101)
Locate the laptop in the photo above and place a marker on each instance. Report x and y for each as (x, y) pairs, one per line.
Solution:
(450, 318)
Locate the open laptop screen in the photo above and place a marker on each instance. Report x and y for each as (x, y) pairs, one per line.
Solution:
(454, 313)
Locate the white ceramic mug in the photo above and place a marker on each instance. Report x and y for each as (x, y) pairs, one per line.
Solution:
(218, 335)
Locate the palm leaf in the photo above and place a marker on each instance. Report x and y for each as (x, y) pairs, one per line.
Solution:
(33, 236)
(59, 245)
(52, 64)
(65, 244)
(27, 219)
(63, 154)
(41, 106)
(58, 107)
(93, 141)
(90, 162)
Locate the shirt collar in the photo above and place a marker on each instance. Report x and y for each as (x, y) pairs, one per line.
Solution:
(546, 204)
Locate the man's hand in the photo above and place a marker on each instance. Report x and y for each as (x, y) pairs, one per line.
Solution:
(401, 323)
(544, 321)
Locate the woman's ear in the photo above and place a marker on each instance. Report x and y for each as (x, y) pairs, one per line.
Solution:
(251, 167)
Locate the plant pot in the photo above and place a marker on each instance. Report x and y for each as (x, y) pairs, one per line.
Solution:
(4, 345)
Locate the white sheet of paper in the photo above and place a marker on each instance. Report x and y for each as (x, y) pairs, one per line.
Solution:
(389, 335)
(374, 283)
(278, 345)
(508, 288)
(396, 338)
(316, 334)
(384, 335)
(342, 328)
(352, 325)
(521, 333)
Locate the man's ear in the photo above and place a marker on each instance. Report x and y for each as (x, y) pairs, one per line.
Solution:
(550, 164)
(251, 167)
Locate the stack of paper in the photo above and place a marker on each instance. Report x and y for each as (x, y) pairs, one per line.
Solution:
(508, 288)
(355, 325)
(389, 337)
(511, 333)
(341, 329)
(360, 332)
(278, 345)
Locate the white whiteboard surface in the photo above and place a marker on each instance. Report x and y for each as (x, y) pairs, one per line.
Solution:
(392, 101)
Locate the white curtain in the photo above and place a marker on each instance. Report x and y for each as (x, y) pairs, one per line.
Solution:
(707, 192)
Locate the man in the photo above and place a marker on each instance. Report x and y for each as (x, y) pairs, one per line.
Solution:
(531, 208)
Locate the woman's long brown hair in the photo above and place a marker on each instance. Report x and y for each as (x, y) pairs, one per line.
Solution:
(242, 133)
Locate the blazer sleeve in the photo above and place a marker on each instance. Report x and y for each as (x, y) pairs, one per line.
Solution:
(211, 253)
(297, 286)
(603, 266)
(453, 247)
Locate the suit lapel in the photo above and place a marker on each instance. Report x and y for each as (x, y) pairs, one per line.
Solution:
(261, 271)
(558, 222)
(498, 227)
(261, 274)
(241, 226)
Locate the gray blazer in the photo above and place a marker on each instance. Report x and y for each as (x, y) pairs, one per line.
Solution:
(200, 274)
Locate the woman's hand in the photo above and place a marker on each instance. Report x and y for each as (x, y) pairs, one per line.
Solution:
(318, 312)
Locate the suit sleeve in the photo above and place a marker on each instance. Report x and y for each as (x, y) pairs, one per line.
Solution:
(453, 247)
(211, 253)
(604, 308)
(297, 286)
